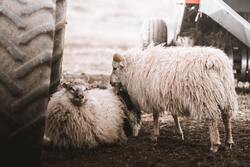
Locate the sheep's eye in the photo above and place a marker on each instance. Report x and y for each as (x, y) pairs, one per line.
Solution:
(114, 68)
(72, 89)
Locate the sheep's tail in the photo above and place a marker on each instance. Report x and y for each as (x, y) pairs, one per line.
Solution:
(231, 95)
(224, 68)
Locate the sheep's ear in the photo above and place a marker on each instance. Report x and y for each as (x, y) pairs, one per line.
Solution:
(122, 63)
(65, 85)
(85, 77)
(88, 87)
(118, 58)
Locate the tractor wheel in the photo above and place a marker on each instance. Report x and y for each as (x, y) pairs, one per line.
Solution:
(56, 70)
(154, 32)
(27, 29)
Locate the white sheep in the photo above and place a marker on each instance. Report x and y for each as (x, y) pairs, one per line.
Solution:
(195, 82)
(83, 118)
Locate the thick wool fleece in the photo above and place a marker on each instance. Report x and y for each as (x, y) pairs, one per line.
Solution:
(99, 120)
(187, 81)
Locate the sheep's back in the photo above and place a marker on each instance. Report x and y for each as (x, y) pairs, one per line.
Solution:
(108, 114)
(194, 82)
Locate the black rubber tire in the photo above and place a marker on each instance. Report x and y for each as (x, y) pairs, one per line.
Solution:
(56, 71)
(26, 44)
(154, 32)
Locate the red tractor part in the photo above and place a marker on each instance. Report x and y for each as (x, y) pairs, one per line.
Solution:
(192, 1)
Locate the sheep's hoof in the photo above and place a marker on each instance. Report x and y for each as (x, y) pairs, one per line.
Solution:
(181, 137)
(229, 145)
(154, 138)
(214, 148)
(122, 142)
(136, 130)
(46, 142)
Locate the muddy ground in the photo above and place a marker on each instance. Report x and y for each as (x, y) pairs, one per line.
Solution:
(169, 151)
(95, 30)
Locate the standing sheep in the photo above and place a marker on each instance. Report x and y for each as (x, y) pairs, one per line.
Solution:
(194, 82)
(79, 117)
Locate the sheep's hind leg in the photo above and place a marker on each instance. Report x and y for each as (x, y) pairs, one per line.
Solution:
(156, 126)
(178, 126)
(227, 118)
(214, 136)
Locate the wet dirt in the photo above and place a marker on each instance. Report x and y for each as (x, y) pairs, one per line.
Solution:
(169, 150)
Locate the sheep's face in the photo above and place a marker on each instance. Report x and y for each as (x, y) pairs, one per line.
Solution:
(118, 65)
(75, 92)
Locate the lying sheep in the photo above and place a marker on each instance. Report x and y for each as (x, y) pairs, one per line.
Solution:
(81, 117)
(101, 81)
(194, 82)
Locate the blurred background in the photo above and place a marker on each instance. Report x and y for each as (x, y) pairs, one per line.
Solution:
(97, 27)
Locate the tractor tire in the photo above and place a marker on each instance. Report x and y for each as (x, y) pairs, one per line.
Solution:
(27, 29)
(56, 70)
(154, 32)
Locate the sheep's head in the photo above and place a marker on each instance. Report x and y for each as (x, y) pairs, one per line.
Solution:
(75, 92)
(118, 64)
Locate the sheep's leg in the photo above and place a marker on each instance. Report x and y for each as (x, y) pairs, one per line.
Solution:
(47, 141)
(214, 136)
(156, 126)
(136, 129)
(178, 126)
(227, 118)
(123, 137)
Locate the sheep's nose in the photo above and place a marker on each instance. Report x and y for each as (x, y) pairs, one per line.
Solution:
(81, 96)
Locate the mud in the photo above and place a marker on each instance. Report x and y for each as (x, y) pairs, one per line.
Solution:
(169, 150)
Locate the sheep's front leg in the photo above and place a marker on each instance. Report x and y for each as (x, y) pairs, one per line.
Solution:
(123, 138)
(46, 141)
(214, 136)
(178, 126)
(227, 118)
(156, 126)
